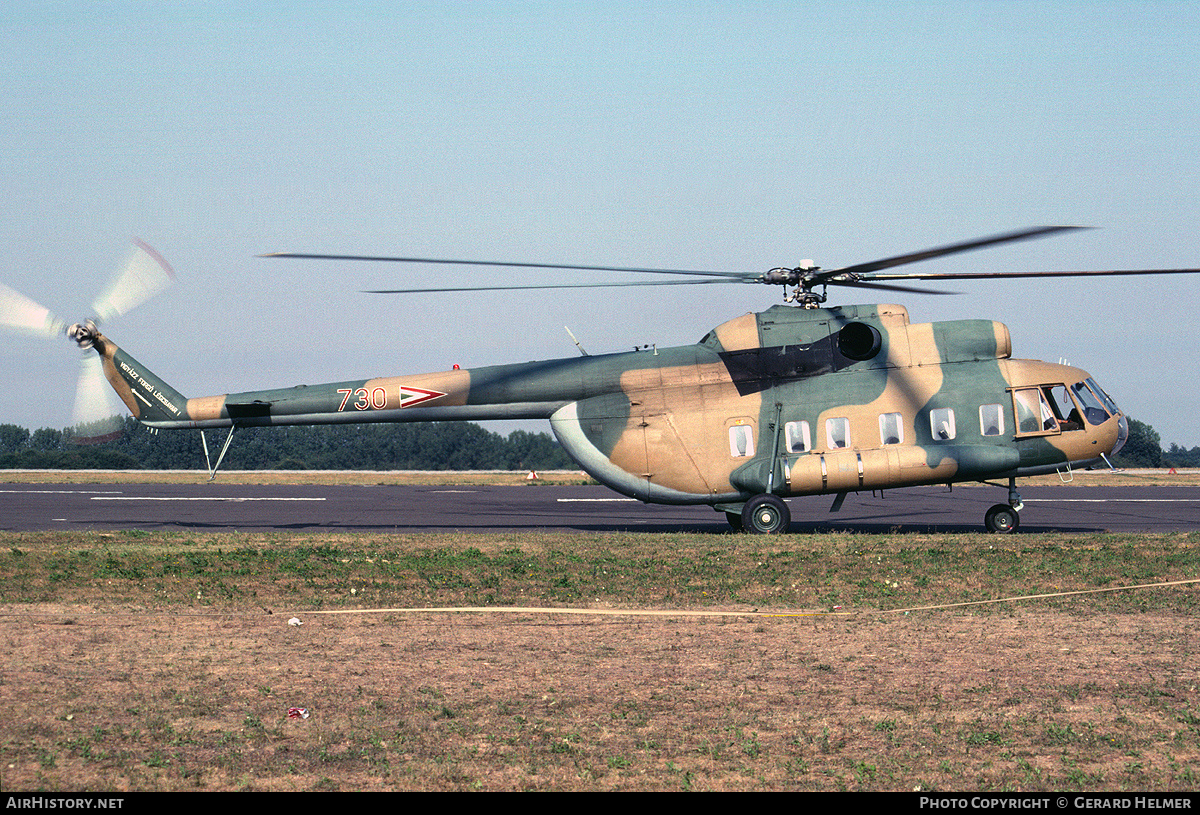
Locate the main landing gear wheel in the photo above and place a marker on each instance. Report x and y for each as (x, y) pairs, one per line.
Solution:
(1002, 519)
(766, 515)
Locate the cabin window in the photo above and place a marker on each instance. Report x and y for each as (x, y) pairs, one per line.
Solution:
(941, 424)
(991, 420)
(741, 441)
(837, 433)
(890, 429)
(798, 436)
(1034, 414)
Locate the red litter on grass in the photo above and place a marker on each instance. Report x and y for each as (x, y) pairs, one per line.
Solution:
(297, 713)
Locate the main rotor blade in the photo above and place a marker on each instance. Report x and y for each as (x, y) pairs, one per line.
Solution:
(453, 262)
(567, 286)
(953, 248)
(869, 283)
(1000, 275)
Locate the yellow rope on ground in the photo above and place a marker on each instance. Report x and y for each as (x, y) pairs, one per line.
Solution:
(619, 612)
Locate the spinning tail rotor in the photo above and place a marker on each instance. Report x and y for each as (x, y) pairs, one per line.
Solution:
(20, 314)
(144, 274)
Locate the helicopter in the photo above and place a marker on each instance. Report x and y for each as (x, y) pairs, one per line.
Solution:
(799, 399)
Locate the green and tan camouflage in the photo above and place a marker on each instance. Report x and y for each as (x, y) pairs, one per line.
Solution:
(790, 401)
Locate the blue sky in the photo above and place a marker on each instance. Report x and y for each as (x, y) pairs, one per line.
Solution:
(729, 136)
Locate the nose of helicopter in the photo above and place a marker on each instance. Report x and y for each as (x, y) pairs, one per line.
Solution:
(1113, 412)
(1080, 419)
(1122, 433)
(1104, 417)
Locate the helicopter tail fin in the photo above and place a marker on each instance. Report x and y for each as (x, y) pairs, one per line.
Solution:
(150, 399)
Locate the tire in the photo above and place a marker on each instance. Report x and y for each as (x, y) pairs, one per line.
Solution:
(1002, 519)
(766, 515)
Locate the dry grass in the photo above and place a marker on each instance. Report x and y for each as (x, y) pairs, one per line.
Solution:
(139, 661)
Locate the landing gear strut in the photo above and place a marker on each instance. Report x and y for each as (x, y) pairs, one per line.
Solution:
(1003, 518)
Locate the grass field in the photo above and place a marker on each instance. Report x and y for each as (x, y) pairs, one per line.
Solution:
(146, 661)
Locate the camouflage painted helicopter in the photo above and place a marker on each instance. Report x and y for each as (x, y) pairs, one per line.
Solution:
(796, 400)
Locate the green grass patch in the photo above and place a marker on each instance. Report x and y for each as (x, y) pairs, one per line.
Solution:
(868, 572)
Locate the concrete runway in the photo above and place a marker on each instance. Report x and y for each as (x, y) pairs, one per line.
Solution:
(316, 509)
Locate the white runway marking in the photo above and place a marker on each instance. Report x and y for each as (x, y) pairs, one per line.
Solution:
(1112, 500)
(592, 500)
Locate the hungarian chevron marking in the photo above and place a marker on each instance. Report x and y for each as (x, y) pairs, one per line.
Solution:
(410, 396)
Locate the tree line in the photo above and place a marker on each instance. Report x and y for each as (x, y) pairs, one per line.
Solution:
(423, 446)
(426, 446)
(1144, 449)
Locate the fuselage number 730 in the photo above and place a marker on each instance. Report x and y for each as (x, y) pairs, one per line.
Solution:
(376, 398)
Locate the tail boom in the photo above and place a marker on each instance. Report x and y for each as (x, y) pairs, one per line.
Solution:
(531, 390)
(441, 396)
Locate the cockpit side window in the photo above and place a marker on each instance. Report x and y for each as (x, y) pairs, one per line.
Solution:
(1093, 409)
(1064, 409)
(1113, 410)
(1034, 414)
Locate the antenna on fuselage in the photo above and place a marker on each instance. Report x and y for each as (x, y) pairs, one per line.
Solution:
(577, 345)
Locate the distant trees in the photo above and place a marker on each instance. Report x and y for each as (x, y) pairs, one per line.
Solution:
(432, 446)
(48, 449)
(421, 446)
(12, 438)
(1179, 457)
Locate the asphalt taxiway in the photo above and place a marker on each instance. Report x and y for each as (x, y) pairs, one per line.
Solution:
(214, 506)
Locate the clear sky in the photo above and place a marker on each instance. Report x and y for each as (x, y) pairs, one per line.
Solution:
(728, 136)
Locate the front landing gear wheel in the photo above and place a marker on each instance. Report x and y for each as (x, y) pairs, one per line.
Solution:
(1002, 519)
(766, 515)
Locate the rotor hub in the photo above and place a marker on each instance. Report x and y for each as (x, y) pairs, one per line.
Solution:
(804, 278)
(84, 334)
